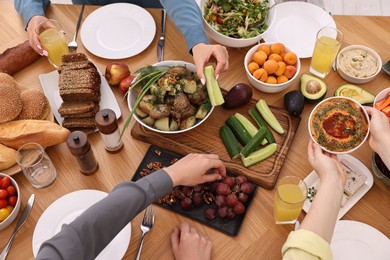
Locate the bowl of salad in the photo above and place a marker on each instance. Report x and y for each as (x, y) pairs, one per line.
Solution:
(237, 23)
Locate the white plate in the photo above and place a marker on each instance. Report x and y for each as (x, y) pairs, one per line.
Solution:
(118, 31)
(49, 83)
(64, 210)
(296, 25)
(313, 180)
(358, 241)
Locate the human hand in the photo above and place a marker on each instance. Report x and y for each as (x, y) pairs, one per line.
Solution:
(194, 169)
(379, 139)
(325, 164)
(32, 35)
(202, 53)
(189, 243)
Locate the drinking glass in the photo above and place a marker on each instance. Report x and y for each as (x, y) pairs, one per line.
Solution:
(327, 45)
(53, 40)
(291, 193)
(36, 165)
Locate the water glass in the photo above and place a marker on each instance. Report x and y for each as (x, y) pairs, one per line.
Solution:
(36, 165)
(53, 40)
(327, 45)
(291, 193)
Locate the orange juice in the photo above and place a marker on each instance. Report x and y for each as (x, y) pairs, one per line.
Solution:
(54, 42)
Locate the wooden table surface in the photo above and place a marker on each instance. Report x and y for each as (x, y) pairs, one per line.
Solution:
(259, 236)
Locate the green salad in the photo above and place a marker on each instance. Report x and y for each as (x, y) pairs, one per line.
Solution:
(237, 18)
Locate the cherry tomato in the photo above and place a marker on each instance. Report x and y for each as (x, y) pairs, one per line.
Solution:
(12, 200)
(219, 20)
(3, 194)
(4, 213)
(5, 182)
(3, 203)
(11, 190)
(10, 208)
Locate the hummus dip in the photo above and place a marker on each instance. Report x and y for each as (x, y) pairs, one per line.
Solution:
(338, 125)
(358, 62)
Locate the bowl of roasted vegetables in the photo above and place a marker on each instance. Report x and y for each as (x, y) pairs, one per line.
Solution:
(168, 98)
(237, 23)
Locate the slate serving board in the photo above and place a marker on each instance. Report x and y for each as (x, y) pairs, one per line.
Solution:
(228, 226)
(205, 139)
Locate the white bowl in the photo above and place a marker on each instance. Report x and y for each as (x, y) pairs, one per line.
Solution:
(358, 105)
(236, 42)
(381, 95)
(6, 222)
(266, 87)
(133, 95)
(353, 76)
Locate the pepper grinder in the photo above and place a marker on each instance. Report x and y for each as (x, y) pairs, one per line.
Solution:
(108, 127)
(79, 146)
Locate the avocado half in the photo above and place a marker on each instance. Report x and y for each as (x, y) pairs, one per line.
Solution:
(356, 93)
(312, 88)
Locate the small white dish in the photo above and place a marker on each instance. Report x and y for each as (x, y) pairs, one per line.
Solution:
(49, 83)
(358, 241)
(296, 24)
(118, 31)
(64, 210)
(312, 180)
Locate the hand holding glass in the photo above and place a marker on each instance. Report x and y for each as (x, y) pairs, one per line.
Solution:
(328, 43)
(291, 193)
(53, 40)
(36, 165)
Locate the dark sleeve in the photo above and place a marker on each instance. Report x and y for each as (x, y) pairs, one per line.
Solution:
(30, 8)
(93, 230)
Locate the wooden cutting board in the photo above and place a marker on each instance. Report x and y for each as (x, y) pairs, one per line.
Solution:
(205, 139)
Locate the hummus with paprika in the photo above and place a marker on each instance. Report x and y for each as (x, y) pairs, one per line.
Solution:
(358, 63)
(338, 124)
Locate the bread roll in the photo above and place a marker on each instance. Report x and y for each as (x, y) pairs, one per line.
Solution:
(16, 133)
(7, 157)
(35, 105)
(17, 58)
(10, 102)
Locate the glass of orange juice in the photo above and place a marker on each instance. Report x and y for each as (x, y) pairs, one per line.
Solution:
(328, 43)
(53, 40)
(291, 193)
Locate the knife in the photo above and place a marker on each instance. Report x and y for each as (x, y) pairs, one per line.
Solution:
(160, 45)
(23, 217)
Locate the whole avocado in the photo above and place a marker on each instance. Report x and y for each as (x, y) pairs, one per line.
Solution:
(294, 102)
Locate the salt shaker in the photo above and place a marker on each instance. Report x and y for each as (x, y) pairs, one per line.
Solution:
(108, 127)
(79, 146)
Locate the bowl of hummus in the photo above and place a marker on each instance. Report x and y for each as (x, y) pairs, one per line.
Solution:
(339, 125)
(358, 64)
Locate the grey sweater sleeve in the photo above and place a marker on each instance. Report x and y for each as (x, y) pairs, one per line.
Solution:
(92, 231)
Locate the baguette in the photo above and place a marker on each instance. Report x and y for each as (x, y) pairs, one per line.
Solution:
(17, 58)
(14, 134)
(7, 157)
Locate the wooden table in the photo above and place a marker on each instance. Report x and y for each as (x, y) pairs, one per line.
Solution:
(259, 237)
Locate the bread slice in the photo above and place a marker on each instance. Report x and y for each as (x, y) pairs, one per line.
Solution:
(83, 94)
(74, 57)
(85, 122)
(76, 107)
(91, 113)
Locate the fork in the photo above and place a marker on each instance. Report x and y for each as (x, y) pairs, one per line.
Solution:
(146, 226)
(72, 46)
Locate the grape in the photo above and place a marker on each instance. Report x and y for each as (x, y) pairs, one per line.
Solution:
(220, 200)
(187, 190)
(241, 179)
(213, 187)
(223, 189)
(198, 188)
(242, 197)
(232, 200)
(236, 189)
(222, 212)
(210, 213)
(239, 208)
(230, 213)
(186, 203)
(197, 199)
(246, 187)
(229, 180)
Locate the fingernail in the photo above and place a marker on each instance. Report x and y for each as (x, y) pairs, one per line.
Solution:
(219, 177)
(216, 77)
(39, 47)
(203, 81)
(45, 53)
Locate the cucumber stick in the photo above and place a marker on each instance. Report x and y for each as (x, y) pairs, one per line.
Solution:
(238, 129)
(230, 141)
(213, 89)
(268, 116)
(251, 128)
(253, 143)
(259, 155)
(256, 116)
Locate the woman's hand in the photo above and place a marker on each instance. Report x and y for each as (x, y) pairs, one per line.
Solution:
(194, 169)
(32, 35)
(203, 53)
(190, 244)
(379, 139)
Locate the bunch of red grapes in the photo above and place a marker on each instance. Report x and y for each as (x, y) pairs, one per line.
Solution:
(226, 198)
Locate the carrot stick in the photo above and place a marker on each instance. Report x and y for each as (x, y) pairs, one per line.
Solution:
(386, 110)
(385, 104)
(377, 105)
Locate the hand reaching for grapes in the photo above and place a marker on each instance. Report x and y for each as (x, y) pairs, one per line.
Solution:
(190, 244)
(194, 169)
